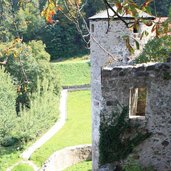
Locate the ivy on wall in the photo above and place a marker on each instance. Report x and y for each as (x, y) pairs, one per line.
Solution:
(120, 137)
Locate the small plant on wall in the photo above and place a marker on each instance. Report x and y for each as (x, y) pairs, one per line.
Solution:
(119, 136)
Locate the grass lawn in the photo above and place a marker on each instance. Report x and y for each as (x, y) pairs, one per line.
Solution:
(73, 72)
(76, 131)
(83, 166)
(87, 166)
(23, 167)
(8, 156)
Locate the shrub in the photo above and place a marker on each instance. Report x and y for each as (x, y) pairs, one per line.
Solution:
(7, 105)
(9, 141)
(156, 50)
(118, 139)
(42, 114)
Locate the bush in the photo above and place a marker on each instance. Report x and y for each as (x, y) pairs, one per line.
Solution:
(7, 105)
(114, 146)
(156, 50)
(9, 141)
(42, 114)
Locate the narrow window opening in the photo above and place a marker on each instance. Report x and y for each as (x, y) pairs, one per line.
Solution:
(137, 101)
(92, 28)
(136, 28)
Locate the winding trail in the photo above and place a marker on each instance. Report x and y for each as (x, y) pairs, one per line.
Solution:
(52, 131)
(58, 125)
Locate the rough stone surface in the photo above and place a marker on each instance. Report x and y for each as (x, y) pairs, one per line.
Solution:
(108, 167)
(156, 150)
(66, 157)
(108, 46)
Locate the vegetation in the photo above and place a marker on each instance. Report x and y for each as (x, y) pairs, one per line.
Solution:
(8, 120)
(42, 114)
(118, 137)
(28, 65)
(133, 165)
(60, 45)
(156, 50)
(159, 7)
(28, 62)
(9, 155)
(20, 19)
(23, 167)
(77, 129)
(73, 73)
(29, 102)
(29, 125)
(83, 166)
(7, 105)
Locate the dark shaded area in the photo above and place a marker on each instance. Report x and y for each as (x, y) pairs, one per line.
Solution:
(161, 7)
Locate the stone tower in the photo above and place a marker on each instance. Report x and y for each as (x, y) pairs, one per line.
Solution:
(108, 47)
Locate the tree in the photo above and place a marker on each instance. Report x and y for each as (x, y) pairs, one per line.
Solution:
(92, 7)
(156, 50)
(7, 105)
(27, 63)
(6, 24)
(62, 39)
(158, 7)
(29, 21)
(72, 10)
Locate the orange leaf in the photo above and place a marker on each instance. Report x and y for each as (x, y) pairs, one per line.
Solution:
(118, 5)
(146, 3)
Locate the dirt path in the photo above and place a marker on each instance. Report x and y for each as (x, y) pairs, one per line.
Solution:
(59, 124)
(51, 132)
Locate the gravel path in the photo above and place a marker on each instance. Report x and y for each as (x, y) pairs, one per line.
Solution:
(52, 131)
(59, 124)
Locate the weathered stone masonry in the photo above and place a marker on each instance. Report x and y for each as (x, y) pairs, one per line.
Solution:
(100, 58)
(156, 78)
(112, 40)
